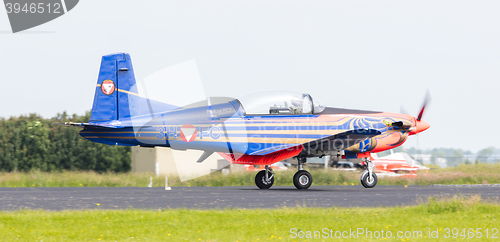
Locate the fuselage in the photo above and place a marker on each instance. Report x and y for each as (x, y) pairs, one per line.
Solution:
(225, 128)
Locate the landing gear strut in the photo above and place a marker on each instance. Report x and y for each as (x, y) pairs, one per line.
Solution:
(368, 177)
(265, 178)
(302, 179)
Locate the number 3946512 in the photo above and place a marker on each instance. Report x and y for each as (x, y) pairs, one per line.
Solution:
(471, 233)
(33, 8)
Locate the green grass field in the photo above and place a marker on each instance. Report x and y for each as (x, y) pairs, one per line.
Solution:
(471, 214)
(464, 174)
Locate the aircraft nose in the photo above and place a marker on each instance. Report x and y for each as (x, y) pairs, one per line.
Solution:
(422, 126)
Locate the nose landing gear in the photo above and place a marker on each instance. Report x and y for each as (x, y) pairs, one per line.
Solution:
(368, 177)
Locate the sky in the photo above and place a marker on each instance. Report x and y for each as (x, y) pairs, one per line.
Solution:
(373, 55)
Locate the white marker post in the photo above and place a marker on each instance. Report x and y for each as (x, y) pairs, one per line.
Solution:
(167, 188)
(150, 182)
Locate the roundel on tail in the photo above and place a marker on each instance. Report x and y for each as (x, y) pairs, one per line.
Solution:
(108, 87)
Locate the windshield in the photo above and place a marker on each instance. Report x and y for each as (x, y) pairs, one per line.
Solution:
(280, 103)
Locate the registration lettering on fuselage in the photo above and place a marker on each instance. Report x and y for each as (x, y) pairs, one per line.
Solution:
(174, 132)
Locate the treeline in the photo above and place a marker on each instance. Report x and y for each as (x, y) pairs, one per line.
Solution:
(33, 143)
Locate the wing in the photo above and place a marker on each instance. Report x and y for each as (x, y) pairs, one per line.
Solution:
(332, 142)
(341, 140)
(266, 159)
(278, 153)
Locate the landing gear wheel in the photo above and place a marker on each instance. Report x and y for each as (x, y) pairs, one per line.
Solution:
(260, 180)
(366, 181)
(302, 180)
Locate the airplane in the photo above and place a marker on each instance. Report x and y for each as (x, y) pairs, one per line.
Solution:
(258, 129)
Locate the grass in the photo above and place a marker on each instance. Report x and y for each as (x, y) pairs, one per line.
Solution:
(435, 214)
(463, 174)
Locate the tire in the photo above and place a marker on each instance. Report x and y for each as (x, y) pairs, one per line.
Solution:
(260, 180)
(365, 182)
(302, 180)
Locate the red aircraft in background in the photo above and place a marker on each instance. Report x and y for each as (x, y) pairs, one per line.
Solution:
(398, 164)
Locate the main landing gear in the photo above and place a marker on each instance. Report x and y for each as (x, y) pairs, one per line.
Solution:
(302, 179)
(265, 178)
(368, 177)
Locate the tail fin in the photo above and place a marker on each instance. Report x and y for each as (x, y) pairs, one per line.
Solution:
(115, 82)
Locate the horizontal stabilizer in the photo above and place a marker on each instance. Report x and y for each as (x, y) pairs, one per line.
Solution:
(87, 125)
(204, 156)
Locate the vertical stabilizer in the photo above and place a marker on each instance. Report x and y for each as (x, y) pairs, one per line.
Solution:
(115, 83)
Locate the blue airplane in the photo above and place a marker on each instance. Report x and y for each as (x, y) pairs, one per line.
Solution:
(259, 129)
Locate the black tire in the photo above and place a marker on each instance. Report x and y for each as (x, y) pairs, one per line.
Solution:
(260, 180)
(302, 180)
(365, 182)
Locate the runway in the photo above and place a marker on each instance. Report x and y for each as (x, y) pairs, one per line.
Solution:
(65, 198)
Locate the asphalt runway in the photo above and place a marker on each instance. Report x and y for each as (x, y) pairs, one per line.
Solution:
(64, 198)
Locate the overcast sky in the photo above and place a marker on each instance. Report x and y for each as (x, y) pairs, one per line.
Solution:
(375, 55)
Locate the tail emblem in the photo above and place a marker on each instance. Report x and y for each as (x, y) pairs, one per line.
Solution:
(108, 87)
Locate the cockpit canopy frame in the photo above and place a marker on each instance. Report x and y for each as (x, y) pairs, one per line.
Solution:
(280, 103)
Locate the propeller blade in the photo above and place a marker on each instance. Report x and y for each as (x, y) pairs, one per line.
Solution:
(426, 102)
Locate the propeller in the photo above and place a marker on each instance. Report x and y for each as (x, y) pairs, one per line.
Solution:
(422, 125)
(419, 123)
(426, 102)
